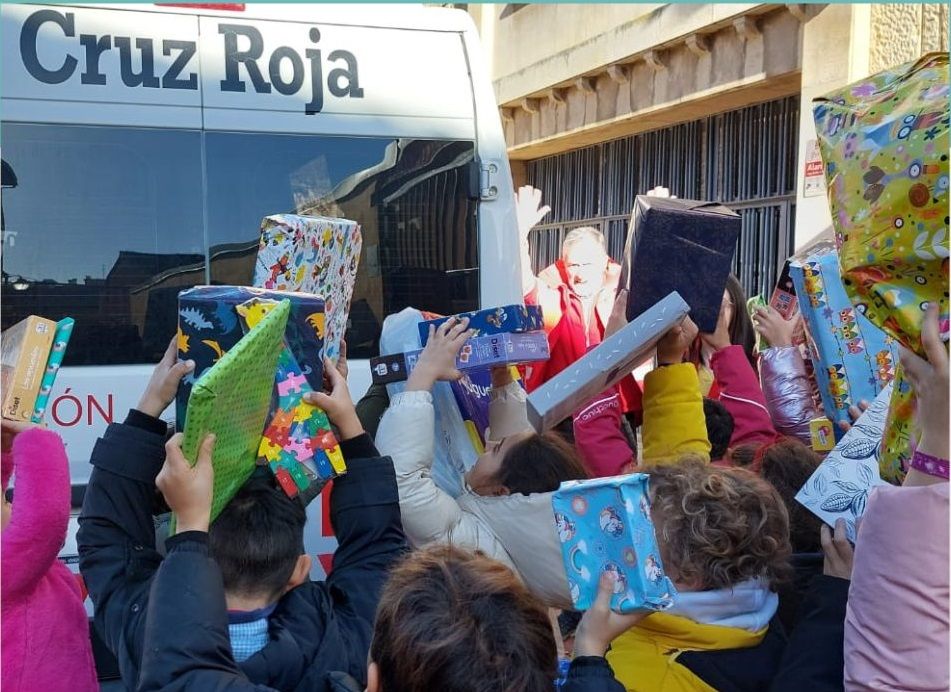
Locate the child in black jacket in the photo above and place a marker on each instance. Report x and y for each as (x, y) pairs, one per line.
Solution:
(311, 627)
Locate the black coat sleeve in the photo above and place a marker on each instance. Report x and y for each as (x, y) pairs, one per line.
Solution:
(591, 674)
(365, 514)
(116, 538)
(813, 659)
(186, 627)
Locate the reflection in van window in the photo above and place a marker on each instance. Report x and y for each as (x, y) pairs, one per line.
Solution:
(411, 198)
(106, 225)
(96, 216)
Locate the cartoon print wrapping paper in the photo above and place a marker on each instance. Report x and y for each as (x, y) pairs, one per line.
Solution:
(312, 254)
(605, 525)
(884, 142)
(297, 443)
(852, 358)
(208, 326)
(232, 400)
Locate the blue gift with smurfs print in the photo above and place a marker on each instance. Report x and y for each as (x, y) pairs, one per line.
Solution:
(605, 525)
(507, 319)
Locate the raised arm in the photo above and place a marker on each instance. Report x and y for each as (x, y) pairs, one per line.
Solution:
(37, 527)
(529, 213)
(364, 512)
(674, 424)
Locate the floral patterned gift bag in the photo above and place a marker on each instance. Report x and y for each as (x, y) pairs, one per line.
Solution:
(885, 142)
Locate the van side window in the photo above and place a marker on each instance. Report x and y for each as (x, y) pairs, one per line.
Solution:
(97, 219)
(410, 196)
(107, 225)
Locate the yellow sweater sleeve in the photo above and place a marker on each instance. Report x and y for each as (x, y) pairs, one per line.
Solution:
(674, 424)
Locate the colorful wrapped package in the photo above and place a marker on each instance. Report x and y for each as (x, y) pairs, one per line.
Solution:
(297, 444)
(604, 365)
(232, 400)
(64, 330)
(208, 326)
(679, 245)
(840, 486)
(312, 254)
(605, 526)
(853, 359)
(478, 353)
(884, 142)
(507, 319)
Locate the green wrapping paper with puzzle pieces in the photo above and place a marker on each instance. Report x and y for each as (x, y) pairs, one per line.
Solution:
(297, 444)
(232, 400)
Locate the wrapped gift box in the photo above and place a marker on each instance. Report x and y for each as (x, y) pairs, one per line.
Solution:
(232, 400)
(512, 319)
(312, 254)
(605, 526)
(853, 358)
(839, 488)
(209, 325)
(884, 142)
(26, 348)
(64, 330)
(478, 353)
(297, 443)
(679, 245)
(604, 365)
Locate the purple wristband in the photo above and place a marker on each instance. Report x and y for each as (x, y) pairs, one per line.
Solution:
(926, 463)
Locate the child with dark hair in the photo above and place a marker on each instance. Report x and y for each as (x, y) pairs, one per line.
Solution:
(286, 631)
(719, 428)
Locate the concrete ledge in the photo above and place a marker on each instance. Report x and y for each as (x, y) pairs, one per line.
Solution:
(753, 89)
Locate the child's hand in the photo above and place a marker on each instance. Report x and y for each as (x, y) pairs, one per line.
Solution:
(501, 376)
(342, 366)
(618, 319)
(600, 625)
(337, 404)
(674, 344)
(771, 325)
(838, 551)
(188, 489)
(855, 412)
(720, 338)
(10, 429)
(438, 360)
(929, 380)
(163, 386)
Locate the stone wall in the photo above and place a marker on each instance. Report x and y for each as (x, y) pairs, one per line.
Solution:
(741, 59)
(903, 32)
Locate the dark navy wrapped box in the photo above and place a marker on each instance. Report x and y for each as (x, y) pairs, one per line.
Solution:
(507, 319)
(208, 326)
(679, 245)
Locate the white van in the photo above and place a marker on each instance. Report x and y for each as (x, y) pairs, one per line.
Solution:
(143, 144)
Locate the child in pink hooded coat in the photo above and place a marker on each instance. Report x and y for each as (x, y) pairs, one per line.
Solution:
(45, 633)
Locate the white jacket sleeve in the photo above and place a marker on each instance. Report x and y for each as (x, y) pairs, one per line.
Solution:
(508, 411)
(406, 434)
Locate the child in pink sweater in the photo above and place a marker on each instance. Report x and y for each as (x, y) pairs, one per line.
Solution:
(45, 633)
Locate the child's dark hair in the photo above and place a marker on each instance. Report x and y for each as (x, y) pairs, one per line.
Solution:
(741, 326)
(719, 427)
(540, 463)
(258, 538)
(787, 465)
(453, 620)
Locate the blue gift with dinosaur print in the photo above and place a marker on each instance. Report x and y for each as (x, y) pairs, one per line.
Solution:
(208, 326)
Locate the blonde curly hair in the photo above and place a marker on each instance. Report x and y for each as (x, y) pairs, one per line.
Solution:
(718, 527)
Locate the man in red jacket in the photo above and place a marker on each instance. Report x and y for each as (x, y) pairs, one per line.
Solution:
(576, 294)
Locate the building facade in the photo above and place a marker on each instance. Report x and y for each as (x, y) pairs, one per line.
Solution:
(601, 102)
